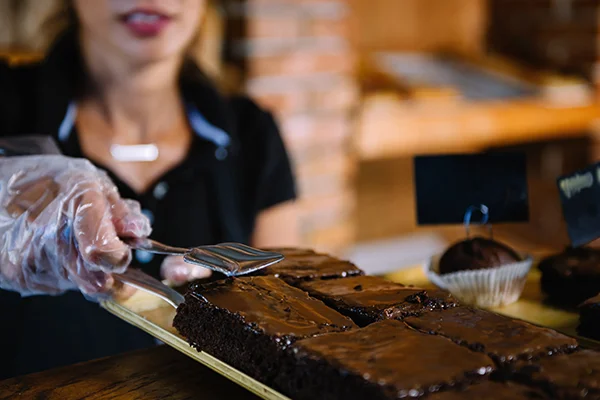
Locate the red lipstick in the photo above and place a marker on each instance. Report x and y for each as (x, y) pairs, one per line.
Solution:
(145, 22)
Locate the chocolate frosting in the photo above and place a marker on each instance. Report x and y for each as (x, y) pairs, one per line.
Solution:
(491, 390)
(501, 337)
(301, 264)
(377, 296)
(593, 302)
(388, 354)
(476, 253)
(272, 306)
(569, 376)
(573, 261)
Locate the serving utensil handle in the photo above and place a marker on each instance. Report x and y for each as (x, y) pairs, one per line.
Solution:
(142, 281)
(152, 246)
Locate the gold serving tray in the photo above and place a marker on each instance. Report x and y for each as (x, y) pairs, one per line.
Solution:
(155, 317)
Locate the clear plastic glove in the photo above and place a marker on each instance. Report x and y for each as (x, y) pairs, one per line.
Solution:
(60, 223)
(177, 272)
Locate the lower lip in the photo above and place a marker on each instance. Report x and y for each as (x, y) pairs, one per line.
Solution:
(147, 29)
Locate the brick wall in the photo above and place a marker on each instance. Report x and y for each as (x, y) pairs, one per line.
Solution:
(297, 61)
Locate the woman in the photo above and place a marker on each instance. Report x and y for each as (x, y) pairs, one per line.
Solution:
(118, 90)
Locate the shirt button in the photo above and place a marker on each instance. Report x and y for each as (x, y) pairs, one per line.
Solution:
(160, 190)
(143, 257)
(221, 153)
(149, 214)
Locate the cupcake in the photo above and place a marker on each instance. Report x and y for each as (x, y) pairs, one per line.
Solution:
(481, 271)
(571, 277)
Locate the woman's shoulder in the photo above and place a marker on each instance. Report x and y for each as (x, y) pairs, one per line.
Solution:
(18, 82)
(252, 119)
(17, 73)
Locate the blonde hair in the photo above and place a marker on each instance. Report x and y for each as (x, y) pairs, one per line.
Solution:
(31, 26)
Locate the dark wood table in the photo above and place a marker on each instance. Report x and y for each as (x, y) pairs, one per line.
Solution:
(157, 373)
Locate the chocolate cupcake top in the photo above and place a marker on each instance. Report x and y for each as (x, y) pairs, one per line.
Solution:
(476, 253)
(573, 261)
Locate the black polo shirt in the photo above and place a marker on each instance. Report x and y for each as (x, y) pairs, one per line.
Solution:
(237, 166)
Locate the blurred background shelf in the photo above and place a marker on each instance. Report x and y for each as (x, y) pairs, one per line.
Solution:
(391, 127)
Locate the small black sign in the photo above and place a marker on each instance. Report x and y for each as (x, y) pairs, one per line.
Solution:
(447, 185)
(580, 197)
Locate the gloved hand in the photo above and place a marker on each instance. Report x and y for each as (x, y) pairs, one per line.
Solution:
(60, 223)
(177, 272)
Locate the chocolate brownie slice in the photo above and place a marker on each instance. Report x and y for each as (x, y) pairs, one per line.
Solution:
(502, 338)
(571, 277)
(302, 265)
(367, 299)
(565, 376)
(246, 322)
(491, 390)
(589, 318)
(386, 360)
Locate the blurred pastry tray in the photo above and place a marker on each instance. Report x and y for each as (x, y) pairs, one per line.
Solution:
(155, 317)
(473, 82)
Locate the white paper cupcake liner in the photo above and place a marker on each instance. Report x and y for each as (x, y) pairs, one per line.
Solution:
(490, 287)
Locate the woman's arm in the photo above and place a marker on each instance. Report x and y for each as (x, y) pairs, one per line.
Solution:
(278, 226)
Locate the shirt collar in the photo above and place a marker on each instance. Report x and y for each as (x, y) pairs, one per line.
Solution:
(199, 124)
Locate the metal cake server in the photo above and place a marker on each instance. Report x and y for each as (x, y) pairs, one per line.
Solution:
(230, 259)
(142, 281)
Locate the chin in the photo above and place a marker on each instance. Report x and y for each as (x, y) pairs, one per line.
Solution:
(150, 52)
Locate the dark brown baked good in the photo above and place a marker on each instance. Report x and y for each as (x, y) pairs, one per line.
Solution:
(247, 322)
(303, 265)
(566, 376)
(476, 253)
(572, 276)
(491, 390)
(589, 318)
(502, 338)
(367, 299)
(385, 360)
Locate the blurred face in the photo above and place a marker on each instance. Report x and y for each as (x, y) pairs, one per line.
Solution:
(142, 30)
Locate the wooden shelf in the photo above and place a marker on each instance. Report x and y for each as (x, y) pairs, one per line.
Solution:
(389, 127)
(419, 103)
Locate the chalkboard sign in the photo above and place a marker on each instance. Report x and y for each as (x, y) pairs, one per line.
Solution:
(447, 185)
(580, 198)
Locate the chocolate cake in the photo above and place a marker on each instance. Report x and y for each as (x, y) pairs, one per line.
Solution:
(385, 360)
(367, 299)
(302, 265)
(476, 253)
(571, 277)
(567, 376)
(589, 318)
(502, 338)
(247, 322)
(491, 390)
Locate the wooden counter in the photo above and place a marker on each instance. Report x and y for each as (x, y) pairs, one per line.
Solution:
(157, 373)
